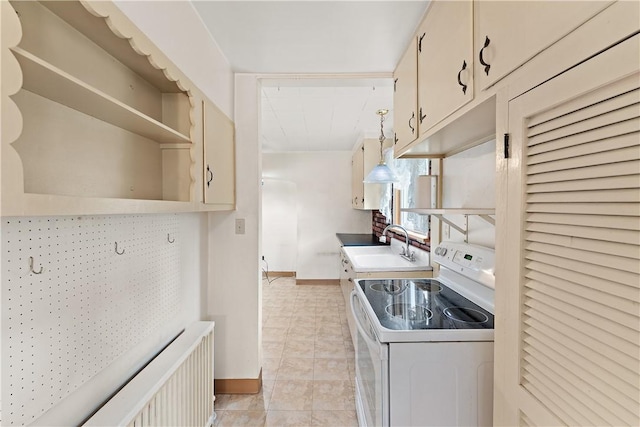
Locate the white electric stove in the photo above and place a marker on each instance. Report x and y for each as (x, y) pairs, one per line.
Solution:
(424, 347)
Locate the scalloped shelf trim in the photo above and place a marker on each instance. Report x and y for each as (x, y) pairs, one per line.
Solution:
(50, 82)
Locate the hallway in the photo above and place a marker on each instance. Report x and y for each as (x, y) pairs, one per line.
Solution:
(308, 362)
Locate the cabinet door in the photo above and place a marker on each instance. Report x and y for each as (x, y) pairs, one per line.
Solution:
(567, 268)
(219, 157)
(509, 33)
(445, 61)
(372, 192)
(357, 175)
(405, 98)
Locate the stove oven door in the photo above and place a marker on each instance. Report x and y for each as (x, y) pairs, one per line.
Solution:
(372, 370)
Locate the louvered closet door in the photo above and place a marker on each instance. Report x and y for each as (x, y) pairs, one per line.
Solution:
(568, 275)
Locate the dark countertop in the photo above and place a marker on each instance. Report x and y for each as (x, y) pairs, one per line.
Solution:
(347, 239)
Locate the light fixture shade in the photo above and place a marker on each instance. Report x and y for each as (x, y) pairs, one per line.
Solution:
(381, 174)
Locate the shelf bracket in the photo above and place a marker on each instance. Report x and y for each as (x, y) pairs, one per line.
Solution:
(488, 219)
(455, 226)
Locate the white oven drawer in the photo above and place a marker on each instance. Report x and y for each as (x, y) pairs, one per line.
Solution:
(441, 384)
(372, 370)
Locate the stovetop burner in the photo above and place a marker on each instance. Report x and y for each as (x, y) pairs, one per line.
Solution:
(390, 288)
(465, 315)
(406, 304)
(427, 285)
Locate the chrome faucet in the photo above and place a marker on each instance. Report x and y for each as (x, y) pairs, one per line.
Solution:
(406, 253)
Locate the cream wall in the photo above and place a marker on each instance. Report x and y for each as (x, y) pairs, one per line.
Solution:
(469, 182)
(234, 267)
(323, 182)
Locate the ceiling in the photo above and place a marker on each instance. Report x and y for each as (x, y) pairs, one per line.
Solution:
(340, 39)
(322, 114)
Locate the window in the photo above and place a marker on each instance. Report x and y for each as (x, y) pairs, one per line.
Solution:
(404, 195)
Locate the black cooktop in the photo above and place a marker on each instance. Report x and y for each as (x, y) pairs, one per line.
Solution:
(407, 304)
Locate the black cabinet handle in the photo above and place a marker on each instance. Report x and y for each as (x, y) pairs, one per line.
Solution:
(413, 129)
(395, 83)
(420, 42)
(486, 66)
(464, 86)
(209, 176)
(395, 138)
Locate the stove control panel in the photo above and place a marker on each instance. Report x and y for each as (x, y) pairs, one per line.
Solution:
(468, 260)
(474, 262)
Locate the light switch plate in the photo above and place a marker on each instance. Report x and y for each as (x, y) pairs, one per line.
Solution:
(239, 225)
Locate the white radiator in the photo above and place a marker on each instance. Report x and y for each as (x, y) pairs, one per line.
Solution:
(175, 389)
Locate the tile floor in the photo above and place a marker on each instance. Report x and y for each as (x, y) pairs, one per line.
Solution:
(308, 362)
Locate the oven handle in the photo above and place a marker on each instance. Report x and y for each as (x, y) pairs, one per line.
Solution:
(373, 342)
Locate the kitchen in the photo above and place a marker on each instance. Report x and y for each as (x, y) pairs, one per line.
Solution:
(212, 252)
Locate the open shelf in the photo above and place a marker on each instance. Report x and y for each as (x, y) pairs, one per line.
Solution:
(104, 122)
(485, 214)
(50, 82)
(451, 211)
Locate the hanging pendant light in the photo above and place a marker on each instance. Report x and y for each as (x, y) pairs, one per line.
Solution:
(381, 174)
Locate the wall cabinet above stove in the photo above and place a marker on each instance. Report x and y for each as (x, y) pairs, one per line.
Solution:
(466, 51)
(445, 62)
(508, 34)
(434, 78)
(405, 98)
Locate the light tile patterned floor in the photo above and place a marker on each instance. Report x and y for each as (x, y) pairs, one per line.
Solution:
(308, 362)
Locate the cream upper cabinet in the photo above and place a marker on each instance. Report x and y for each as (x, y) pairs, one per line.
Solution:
(219, 158)
(509, 33)
(357, 175)
(405, 98)
(568, 233)
(365, 158)
(445, 61)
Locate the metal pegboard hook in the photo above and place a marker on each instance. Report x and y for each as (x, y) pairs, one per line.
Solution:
(31, 267)
(117, 252)
(169, 238)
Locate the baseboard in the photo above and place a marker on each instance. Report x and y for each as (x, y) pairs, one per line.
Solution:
(318, 282)
(279, 274)
(238, 386)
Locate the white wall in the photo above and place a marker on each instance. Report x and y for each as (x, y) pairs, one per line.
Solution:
(234, 259)
(177, 29)
(323, 181)
(279, 225)
(469, 182)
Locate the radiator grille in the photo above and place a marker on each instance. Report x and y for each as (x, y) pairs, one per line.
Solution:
(175, 389)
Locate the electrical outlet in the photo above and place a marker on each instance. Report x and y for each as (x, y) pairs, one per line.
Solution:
(240, 226)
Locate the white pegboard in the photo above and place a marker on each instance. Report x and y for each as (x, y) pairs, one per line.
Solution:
(88, 307)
